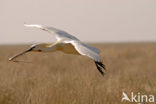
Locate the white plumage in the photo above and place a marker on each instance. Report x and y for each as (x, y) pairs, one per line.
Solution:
(66, 43)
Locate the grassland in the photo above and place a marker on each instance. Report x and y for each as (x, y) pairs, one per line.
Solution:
(57, 78)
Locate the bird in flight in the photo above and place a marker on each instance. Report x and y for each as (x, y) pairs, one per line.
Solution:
(66, 43)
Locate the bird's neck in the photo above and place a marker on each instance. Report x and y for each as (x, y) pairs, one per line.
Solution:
(48, 47)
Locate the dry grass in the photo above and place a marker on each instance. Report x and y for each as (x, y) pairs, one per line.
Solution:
(56, 78)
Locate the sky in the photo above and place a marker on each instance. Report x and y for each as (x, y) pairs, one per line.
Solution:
(88, 20)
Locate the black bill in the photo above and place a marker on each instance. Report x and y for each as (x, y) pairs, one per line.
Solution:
(12, 58)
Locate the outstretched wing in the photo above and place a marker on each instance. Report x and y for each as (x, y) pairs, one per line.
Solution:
(89, 51)
(80, 47)
(59, 34)
(84, 49)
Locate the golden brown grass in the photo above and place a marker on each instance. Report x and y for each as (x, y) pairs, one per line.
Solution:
(57, 78)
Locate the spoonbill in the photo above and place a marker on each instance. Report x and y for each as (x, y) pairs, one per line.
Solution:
(66, 43)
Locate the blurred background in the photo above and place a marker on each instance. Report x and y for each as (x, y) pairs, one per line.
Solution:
(123, 30)
(89, 20)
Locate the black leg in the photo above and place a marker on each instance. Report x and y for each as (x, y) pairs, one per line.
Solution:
(99, 68)
(101, 64)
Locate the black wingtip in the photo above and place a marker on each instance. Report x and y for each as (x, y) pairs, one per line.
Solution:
(99, 65)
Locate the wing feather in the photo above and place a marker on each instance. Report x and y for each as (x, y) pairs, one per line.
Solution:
(86, 50)
(59, 34)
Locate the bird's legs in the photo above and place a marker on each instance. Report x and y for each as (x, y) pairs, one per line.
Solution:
(99, 65)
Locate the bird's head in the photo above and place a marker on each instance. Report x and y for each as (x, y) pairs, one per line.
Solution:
(36, 48)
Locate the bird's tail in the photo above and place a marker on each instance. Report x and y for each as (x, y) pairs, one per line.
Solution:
(100, 66)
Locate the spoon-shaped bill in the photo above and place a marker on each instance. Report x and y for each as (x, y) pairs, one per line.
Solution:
(12, 58)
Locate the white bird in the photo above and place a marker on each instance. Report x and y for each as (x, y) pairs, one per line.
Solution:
(66, 43)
